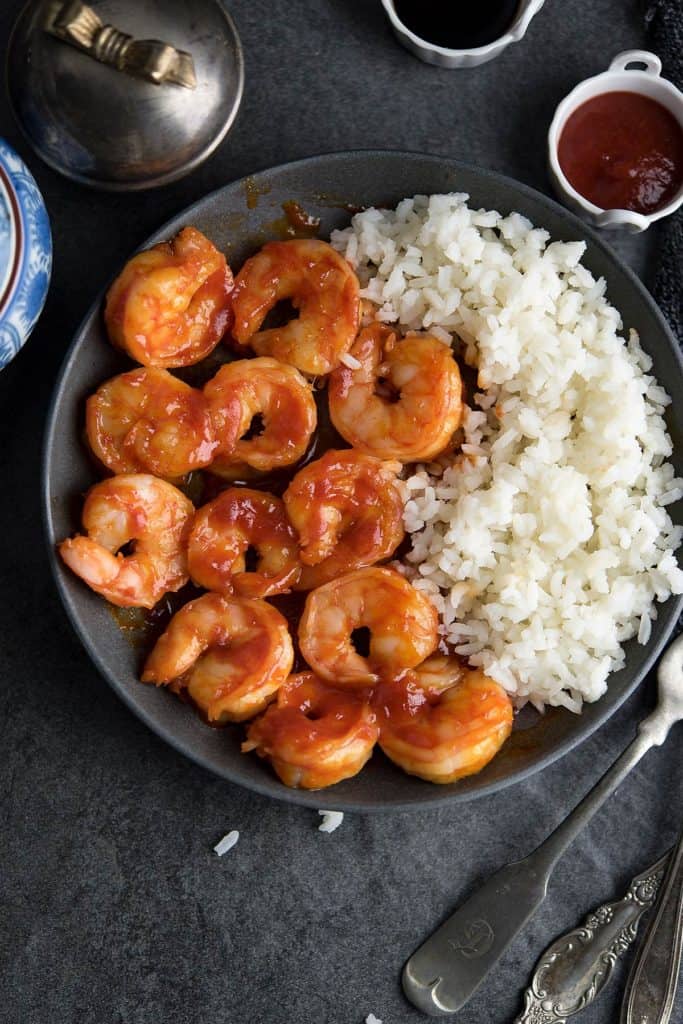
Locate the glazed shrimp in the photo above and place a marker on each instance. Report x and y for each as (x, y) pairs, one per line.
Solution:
(148, 421)
(259, 392)
(148, 513)
(348, 514)
(229, 654)
(319, 283)
(237, 524)
(442, 721)
(314, 735)
(375, 610)
(170, 305)
(403, 402)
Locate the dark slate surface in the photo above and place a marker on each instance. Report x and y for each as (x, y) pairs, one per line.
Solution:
(115, 908)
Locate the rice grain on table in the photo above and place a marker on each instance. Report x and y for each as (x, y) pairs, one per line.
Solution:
(331, 820)
(546, 541)
(227, 842)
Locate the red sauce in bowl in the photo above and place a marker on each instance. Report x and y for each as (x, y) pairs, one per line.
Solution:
(623, 151)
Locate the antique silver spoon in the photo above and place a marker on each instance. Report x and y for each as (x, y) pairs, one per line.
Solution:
(446, 970)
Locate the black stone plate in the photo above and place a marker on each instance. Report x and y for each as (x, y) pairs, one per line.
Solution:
(239, 218)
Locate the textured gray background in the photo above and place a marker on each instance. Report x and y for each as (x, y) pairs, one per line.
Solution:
(114, 908)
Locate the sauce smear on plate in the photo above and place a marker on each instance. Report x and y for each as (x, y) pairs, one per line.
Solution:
(623, 151)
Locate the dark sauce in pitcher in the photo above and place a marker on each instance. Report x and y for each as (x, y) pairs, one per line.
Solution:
(457, 25)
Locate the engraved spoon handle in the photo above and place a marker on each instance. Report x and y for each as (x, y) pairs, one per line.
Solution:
(574, 969)
(651, 985)
(445, 971)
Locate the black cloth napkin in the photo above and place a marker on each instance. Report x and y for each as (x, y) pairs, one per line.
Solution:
(664, 21)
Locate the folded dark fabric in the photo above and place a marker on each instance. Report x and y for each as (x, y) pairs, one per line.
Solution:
(664, 21)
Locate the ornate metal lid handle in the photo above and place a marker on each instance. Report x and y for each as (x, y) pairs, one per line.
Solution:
(78, 24)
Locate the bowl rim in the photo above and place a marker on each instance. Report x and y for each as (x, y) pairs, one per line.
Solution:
(517, 29)
(436, 796)
(32, 237)
(10, 200)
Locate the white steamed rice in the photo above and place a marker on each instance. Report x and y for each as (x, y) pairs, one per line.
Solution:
(545, 544)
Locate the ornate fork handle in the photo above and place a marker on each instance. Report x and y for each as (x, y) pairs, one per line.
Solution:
(577, 966)
(651, 985)
(78, 24)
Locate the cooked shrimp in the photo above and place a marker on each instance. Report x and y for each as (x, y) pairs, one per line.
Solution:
(403, 402)
(170, 305)
(442, 721)
(319, 283)
(373, 611)
(253, 393)
(240, 523)
(348, 514)
(314, 735)
(137, 509)
(230, 655)
(148, 421)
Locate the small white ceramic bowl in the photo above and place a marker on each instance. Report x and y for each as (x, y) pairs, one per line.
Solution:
(618, 78)
(447, 58)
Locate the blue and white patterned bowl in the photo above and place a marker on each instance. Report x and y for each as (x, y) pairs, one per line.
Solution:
(25, 253)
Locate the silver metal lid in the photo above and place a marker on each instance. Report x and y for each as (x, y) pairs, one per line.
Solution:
(125, 95)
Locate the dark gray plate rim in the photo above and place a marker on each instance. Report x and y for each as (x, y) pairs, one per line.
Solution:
(325, 798)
